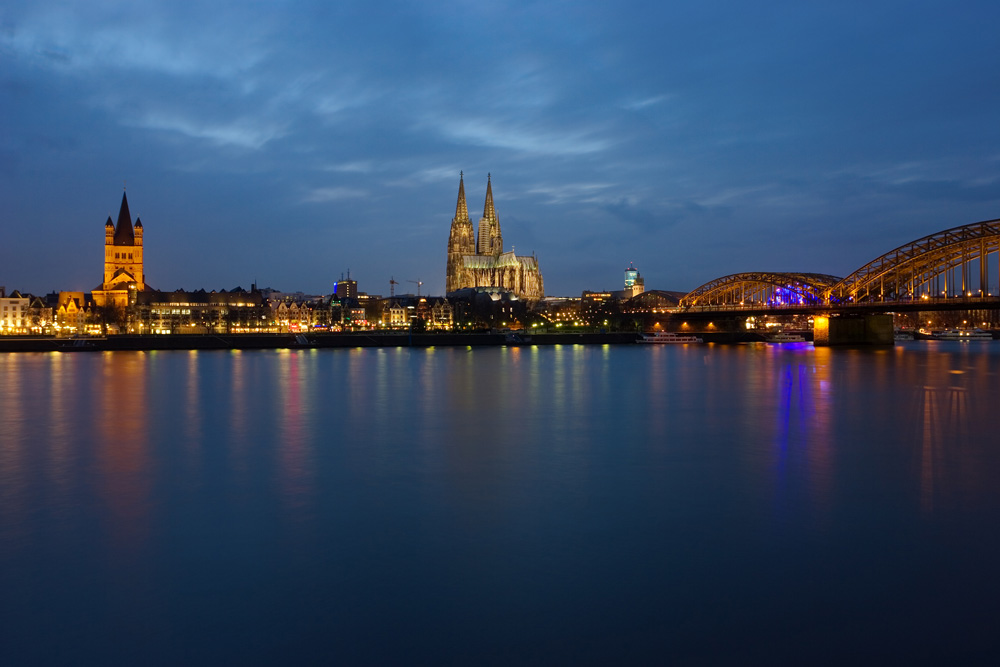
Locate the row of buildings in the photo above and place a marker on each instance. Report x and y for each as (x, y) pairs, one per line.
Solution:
(487, 287)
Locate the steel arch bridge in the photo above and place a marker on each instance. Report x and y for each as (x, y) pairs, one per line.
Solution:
(929, 271)
(762, 289)
(954, 262)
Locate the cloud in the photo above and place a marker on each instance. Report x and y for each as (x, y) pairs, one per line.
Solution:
(950, 190)
(361, 167)
(522, 136)
(644, 103)
(573, 192)
(336, 193)
(645, 219)
(100, 38)
(243, 133)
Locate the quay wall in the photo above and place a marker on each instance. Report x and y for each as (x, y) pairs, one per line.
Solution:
(281, 341)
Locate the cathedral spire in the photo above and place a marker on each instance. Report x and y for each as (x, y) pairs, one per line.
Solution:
(123, 230)
(489, 212)
(461, 209)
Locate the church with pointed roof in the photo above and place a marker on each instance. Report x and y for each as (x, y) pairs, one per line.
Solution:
(122, 259)
(480, 261)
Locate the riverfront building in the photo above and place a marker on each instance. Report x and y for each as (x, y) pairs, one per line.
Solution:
(480, 261)
(14, 318)
(123, 272)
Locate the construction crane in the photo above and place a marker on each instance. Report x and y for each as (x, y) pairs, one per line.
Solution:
(392, 286)
(418, 284)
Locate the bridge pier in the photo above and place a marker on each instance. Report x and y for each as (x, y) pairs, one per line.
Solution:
(852, 330)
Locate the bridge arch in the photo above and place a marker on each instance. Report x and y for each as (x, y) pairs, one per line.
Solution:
(952, 262)
(762, 289)
(652, 301)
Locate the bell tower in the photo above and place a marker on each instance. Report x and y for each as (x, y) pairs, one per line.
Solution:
(123, 265)
(461, 241)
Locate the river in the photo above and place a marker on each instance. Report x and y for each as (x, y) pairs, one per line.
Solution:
(567, 504)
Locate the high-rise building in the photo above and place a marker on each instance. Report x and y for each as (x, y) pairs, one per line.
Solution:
(346, 289)
(123, 268)
(634, 283)
(481, 261)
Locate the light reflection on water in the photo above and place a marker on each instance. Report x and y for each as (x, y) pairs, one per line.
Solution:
(547, 503)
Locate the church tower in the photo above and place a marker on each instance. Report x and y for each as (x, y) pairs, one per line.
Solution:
(480, 262)
(490, 239)
(461, 241)
(123, 265)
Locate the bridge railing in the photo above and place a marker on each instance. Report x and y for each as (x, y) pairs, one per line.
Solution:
(931, 302)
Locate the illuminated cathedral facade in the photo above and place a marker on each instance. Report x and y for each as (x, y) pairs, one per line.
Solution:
(480, 261)
(123, 274)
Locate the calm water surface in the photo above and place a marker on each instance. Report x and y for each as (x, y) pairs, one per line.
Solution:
(571, 504)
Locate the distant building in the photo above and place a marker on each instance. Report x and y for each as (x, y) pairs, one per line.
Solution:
(482, 262)
(346, 290)
(559, 309)
(123, 268)
(233, 311)
(442, 315)
(14, 315)
(394, 316)
(72, 311)
(592, 304)
(40, 316)
(291, 316)
(634, 281)
(634, 284)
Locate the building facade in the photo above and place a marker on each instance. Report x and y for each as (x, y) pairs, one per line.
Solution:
(480, 261)
(72, 312)
(634, 284)
(123, 268)
(14, 315)
(201, 312)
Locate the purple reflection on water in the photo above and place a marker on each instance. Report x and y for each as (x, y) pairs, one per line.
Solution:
(573, 503)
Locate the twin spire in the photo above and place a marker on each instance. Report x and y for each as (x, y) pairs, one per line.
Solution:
(489, 240)
(462, 209)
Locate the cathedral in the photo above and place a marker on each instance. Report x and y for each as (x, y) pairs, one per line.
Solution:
(122, 260)
(480, 261)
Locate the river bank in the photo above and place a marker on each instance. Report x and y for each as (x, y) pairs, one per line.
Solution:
(281, 341)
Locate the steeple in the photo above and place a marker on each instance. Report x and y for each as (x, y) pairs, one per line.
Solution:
(123, 230)
(461, 240)
(490, 242)
(461, 209)
(488, 211)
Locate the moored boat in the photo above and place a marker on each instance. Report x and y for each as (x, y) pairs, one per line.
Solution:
(514, 338)
(782, 337)
(667, 338)
(962, 334)
(77, 345)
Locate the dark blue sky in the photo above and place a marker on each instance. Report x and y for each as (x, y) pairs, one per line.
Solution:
(290, 141)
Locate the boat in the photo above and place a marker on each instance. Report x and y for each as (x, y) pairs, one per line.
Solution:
(782, 337)
(514, 338)
(77, 345)
(664, 337)
(962, 334)
(901, 335)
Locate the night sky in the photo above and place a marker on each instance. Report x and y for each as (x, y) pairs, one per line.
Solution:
(288, 142)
